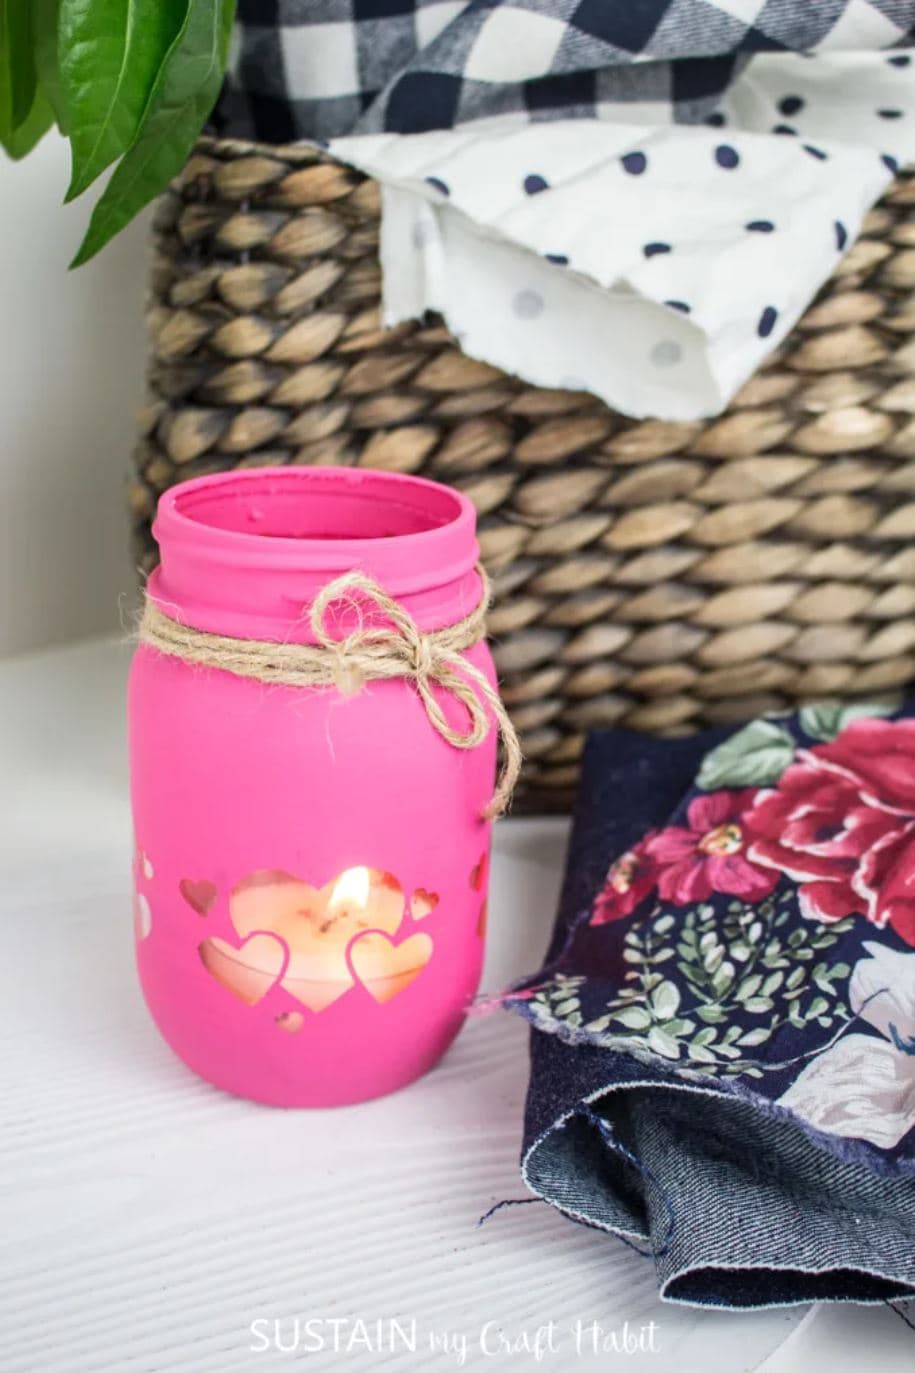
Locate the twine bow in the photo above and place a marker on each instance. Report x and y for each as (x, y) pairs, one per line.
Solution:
(396, 648)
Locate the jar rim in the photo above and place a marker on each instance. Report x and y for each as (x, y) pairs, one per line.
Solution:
(248, 548)
(439, 509)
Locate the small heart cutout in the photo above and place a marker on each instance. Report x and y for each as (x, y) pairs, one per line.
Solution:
(142, 916)
(386, 969)
(198, 895)
(247, 972)
(482, 921)
(290, 1021)
(423, 903)
(478, 873)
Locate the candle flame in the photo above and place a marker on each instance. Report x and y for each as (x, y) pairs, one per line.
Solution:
(351, 889)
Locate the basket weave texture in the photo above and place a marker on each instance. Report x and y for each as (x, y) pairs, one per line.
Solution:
(652, 574)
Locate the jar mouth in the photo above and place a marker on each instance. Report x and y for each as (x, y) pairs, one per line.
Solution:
(319, 517)
(245, 553)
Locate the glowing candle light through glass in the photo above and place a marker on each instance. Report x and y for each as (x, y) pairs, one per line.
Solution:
(352, 888)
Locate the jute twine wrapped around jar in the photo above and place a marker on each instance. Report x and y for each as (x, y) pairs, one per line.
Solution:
(392, 648)
(657, 575)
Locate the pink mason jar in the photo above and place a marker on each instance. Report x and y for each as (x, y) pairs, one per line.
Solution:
(311, 861)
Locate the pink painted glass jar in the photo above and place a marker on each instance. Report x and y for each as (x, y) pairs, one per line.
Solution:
(311, 867)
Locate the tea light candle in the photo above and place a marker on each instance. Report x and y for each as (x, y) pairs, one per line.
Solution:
(312, 767)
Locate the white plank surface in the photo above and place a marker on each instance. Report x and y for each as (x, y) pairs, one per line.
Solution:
(148, 1220)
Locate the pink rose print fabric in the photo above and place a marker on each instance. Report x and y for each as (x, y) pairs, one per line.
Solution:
(841, 823)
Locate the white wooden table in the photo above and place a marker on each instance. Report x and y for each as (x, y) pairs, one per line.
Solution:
(148, 1220)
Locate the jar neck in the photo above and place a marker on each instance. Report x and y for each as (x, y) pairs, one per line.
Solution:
(245, 553)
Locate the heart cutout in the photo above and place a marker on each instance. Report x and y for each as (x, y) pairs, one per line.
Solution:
(199, 895)
(142, 916)
(386, 969)
(423, 903)
(482, 920)
(317, 924)
(247, 972)
(478, 873)
(290, 1021)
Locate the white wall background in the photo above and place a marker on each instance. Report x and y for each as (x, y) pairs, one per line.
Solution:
(71, 377)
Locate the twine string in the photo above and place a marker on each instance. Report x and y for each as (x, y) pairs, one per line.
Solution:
(396, 648)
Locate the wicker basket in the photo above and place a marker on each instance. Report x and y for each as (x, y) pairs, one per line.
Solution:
(656, 575)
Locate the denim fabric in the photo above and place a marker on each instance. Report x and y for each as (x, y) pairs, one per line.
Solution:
(742, 1201)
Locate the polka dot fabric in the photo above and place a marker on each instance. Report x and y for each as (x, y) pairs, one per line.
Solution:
(657, 264)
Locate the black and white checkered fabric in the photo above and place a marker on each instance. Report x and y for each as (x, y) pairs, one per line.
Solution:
(325, 68)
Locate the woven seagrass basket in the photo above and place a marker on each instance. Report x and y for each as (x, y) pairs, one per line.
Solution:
(655, 575)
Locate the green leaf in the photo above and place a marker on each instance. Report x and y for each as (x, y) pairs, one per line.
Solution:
(754, 1037)
(749, 986)
(39, 120)
(826, 719)
(45, 17)
(754, 757)
(723, 979)
(633, 1017)
(712, 1015)
(713, 959)
(17, 69)
(663, 1044)
(182, 96)
(699, 1054)
(599, 1024)
(110, 54)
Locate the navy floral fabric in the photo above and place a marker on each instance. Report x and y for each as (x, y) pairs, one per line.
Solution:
(726, 1017)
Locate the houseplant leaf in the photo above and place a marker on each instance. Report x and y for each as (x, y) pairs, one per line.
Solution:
(45, 16)
(35, 125)
(183, 94)
(110, 54)
(17, 67)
